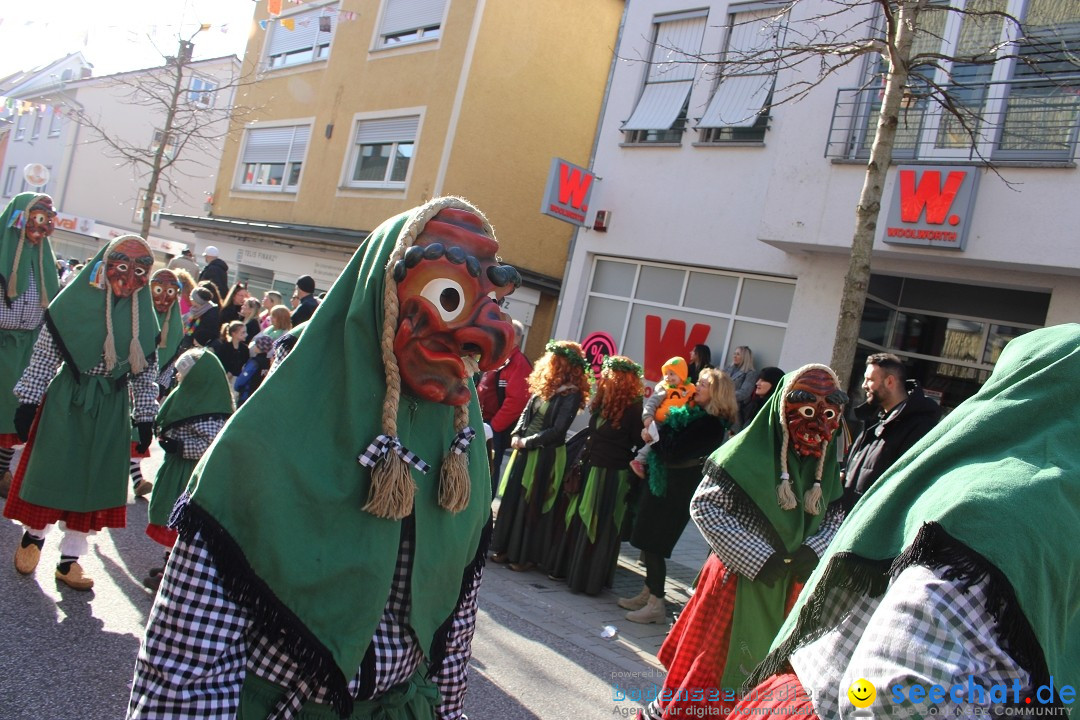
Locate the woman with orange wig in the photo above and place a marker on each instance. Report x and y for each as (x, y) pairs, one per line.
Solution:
(597, 515)
(529, 527)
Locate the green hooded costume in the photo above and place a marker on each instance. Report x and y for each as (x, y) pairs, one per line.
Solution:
(751, 462)
(992, 492)
(76, 442)
(16, 344)
(289, 535)
(203, 393)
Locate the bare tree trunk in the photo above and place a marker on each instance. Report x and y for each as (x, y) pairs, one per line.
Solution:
(183, 57)
(901, 33)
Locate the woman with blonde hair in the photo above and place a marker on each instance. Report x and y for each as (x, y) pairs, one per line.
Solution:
(529, 527)
(598, 513)
(688, 436)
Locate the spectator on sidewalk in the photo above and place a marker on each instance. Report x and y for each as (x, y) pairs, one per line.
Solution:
(503, 394)
(904, 415)
(306, 302)
(741, 371)
(185, 261)
(216, 271)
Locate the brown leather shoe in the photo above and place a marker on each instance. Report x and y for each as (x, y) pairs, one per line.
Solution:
(5, 483)
(143, 488)
(26, 558)
(74, 578)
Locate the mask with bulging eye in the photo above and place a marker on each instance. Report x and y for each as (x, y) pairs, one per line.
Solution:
(164, 290)
(40, 220)
(813, 407)
(450, 324)
(127, 268)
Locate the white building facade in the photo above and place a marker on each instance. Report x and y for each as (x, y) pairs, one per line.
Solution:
(728, 221)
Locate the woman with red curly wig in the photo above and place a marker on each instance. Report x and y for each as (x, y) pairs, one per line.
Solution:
(529, 527)
(597, 515)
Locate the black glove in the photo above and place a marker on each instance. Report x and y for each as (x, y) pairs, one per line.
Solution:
(24, 419)
(775, 567)
(146, 434)
(803, 562)
(169, 445)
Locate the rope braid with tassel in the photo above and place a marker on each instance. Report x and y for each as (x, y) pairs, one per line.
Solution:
(392, 487)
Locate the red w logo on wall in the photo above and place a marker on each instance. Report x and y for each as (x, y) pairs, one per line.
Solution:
(931, 206)
(929, 195)
(663, 343)
(568, 189)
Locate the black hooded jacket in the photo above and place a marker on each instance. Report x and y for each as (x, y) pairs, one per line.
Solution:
(881, 443)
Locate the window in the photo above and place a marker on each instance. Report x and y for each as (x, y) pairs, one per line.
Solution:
(303, 37)
(55, 121)
(272, 157)
(170, 145)
(10, 180)
(410, 21)
(155, 208)
(202, 92)
(738, 111)
(660, 113)
(1015, 92)
(382, 151)
(20, 127)
(35, 131)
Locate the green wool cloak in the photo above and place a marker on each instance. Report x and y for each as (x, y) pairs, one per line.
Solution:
(992, 491)
(288, 534)
(31, 258)
(751, 460)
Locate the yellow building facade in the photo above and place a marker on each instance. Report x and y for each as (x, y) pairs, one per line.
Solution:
(360, 110)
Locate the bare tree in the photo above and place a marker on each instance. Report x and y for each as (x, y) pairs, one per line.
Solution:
(920, 63)
(194, 119)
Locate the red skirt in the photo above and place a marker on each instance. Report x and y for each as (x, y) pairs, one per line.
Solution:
(778, 696)
(161, 534)
(136, 455)
(39, 517)
(695, 651)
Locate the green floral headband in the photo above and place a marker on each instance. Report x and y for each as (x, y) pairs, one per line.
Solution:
(620, 364)
(573, 356)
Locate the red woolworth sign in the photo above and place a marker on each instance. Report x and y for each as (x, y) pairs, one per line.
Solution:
(568, 189)
(931, 206)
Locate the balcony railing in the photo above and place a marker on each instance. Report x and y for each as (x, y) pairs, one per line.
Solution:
(1031, 120)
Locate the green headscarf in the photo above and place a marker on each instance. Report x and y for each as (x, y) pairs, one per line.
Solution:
(753, 460)
(88, 322)
(1003, 460)
(204, 391)
(290, 535)
(13, 245)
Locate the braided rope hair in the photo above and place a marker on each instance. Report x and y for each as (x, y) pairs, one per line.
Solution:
(392, 486)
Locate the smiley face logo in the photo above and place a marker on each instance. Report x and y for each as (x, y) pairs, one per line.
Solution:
(862, 693)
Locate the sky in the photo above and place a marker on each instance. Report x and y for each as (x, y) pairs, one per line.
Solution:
(118, 35)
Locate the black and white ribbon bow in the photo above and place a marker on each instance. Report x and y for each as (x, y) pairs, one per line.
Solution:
(386, 443)
(462, 440)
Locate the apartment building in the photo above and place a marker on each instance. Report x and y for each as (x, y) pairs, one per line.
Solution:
(365, 109)
(97, 193)
(726, 218)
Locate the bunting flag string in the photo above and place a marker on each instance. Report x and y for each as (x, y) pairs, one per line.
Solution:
(291, 23)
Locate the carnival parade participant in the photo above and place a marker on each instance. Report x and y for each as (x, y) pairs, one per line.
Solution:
(768, 507)
(342, 580)
(164, 291)
(598, 512)
(76, 408)
(531, 518)
(189, 420)
(914, 591)
(28, 282)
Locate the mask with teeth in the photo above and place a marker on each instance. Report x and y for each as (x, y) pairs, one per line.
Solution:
(812, 410)
(450, 285)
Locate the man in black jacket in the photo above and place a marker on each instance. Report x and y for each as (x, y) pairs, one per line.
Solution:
(216, 271)
(305, 294)
(904, 415)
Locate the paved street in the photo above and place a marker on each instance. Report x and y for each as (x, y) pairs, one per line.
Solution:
(538, 651)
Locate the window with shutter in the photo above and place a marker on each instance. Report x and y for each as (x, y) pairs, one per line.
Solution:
(382, 151)
(273, 157)
(302, 37)
(410, 21)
